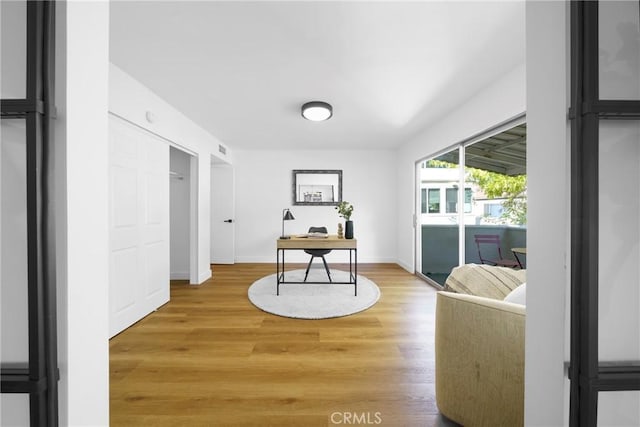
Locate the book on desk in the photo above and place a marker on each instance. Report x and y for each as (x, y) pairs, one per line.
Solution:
(313, 235)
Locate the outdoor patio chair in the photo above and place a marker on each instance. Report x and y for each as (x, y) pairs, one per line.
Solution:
(491, 242)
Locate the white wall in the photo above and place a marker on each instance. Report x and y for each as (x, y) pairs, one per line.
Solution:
(87, 88)
(82, 211)
(180, 224)
(502, 101)
(264, 189)
(132, 101)
(548, 229)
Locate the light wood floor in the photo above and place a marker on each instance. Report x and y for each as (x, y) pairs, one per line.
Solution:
(210, 358)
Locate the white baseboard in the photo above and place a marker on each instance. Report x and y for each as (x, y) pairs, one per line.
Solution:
(204, 276)
(179, 275)
(259, 260)
(411, 269)
(184, 275)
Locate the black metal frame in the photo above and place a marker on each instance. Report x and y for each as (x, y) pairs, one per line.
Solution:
(353, 269)
(588, 376)
(294, 186)
(39, 376)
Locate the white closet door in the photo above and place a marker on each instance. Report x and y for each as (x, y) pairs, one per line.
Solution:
(139, 224)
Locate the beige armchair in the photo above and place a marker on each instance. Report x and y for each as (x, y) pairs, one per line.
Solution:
(479, 345)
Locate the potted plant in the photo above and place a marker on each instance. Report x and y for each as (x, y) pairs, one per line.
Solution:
(345, 209)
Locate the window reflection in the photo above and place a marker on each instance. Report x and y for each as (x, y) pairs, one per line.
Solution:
(619, 50)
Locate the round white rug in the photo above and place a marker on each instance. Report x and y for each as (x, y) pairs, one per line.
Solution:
(313, 301)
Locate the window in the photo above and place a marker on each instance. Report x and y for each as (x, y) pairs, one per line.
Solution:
(493, 210)
(494, 167)
(452, 200)
(467, 200)
(434, 200)
(430, 200)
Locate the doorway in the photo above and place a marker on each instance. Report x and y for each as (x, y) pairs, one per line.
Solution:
(182, 215)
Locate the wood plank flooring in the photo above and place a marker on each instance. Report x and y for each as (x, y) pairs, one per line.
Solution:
(210, 358)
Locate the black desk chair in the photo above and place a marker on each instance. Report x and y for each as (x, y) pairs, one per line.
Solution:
(317, 253)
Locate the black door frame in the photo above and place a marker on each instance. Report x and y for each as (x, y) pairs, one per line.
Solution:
(588, 376)
(39, 376)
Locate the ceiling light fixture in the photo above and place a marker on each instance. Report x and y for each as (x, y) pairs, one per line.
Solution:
(317, 111)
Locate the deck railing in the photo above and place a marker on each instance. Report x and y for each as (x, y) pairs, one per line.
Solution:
(440, 246)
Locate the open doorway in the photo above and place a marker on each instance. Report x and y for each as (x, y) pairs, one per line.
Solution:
(491, 171)
(182, 211)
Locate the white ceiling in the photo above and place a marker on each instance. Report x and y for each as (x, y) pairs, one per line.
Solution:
(241, 70)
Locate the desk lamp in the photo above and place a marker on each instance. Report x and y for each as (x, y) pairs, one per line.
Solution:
(286, 216)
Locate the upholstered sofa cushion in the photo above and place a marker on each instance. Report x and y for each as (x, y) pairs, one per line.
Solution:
(484, 280)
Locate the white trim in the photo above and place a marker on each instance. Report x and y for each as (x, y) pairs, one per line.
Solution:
(194, 237)
(462, 169)
(146, 129)
(405, 266)
(203, 277)
(417, 213)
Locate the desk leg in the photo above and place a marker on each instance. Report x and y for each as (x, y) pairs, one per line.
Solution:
(515, 254)
(350, 265)
(277, 271)
(354, 273)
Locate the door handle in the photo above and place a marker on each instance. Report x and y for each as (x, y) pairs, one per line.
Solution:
(228, 220)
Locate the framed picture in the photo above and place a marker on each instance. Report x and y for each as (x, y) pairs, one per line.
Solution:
(317, 187)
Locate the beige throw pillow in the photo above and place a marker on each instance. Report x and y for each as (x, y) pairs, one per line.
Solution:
(484, 280)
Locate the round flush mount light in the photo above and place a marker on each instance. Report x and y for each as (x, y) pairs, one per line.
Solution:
(317, 111)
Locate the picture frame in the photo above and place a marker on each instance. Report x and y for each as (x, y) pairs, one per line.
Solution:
(317, 187)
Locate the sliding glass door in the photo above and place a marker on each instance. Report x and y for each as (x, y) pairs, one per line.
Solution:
(438, 216)
(476, 189)
(495, 174)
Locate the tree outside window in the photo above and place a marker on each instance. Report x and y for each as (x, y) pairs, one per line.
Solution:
(509, 191)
